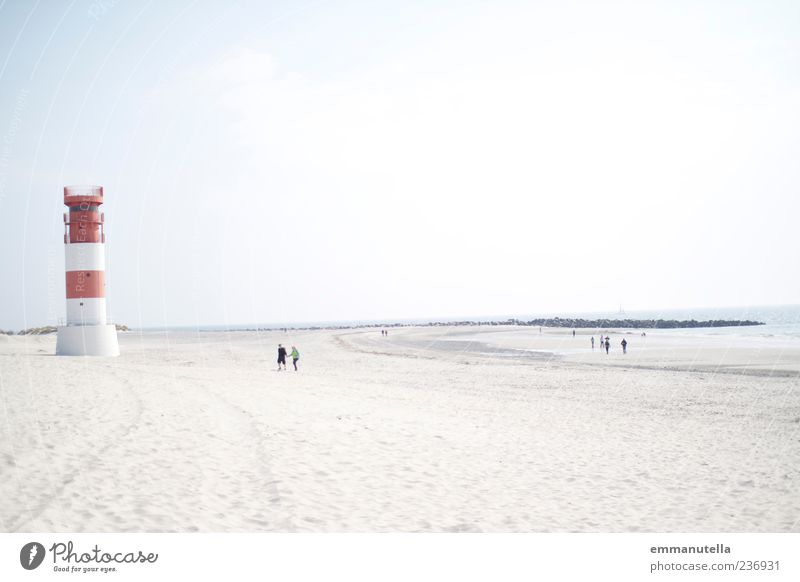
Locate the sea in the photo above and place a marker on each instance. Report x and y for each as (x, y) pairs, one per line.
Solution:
(782, 322)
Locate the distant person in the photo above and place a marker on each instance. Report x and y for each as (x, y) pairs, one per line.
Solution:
(295, 357)
(592, 342)
(540, 330)
(281, 357)
(573, 333)
(607, 344)
(624, 343)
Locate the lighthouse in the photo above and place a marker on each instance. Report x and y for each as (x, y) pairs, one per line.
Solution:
(86, 332)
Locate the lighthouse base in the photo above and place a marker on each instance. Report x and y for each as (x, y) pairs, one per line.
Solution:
(87, 340)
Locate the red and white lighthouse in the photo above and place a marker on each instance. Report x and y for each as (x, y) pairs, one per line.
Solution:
(86, 332)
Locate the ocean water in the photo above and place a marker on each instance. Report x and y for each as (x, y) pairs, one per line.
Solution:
(782, 321)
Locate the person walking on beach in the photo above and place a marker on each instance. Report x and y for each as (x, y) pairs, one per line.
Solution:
(607, 344)
(592, 342)
(624, 343)
(295, 356)
(573, 333)
(281, 357)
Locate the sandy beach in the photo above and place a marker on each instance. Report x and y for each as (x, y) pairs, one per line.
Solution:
(431, 429)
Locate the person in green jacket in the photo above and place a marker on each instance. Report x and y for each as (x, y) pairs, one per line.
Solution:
(295, 356)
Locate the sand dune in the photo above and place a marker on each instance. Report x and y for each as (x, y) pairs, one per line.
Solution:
(430, 429)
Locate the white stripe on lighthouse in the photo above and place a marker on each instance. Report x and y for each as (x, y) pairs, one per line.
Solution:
(86, 311)
(85, 257)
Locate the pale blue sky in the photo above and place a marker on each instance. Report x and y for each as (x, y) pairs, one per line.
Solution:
(307, 161)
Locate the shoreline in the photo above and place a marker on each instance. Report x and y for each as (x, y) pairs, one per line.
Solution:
(554, 323)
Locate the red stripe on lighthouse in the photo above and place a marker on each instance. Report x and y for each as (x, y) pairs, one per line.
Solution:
(82, 284)
(84, 227)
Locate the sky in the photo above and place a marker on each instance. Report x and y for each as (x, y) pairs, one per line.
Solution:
(280, 162)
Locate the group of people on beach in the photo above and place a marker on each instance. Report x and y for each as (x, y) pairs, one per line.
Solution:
(606, 343)
(282, 357)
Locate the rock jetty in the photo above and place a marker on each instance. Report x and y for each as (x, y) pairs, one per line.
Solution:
(44, 330)
(633, 323)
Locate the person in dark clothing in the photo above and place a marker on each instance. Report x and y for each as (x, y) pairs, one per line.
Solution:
(281, 357)
(607, 344)
(624, 343)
